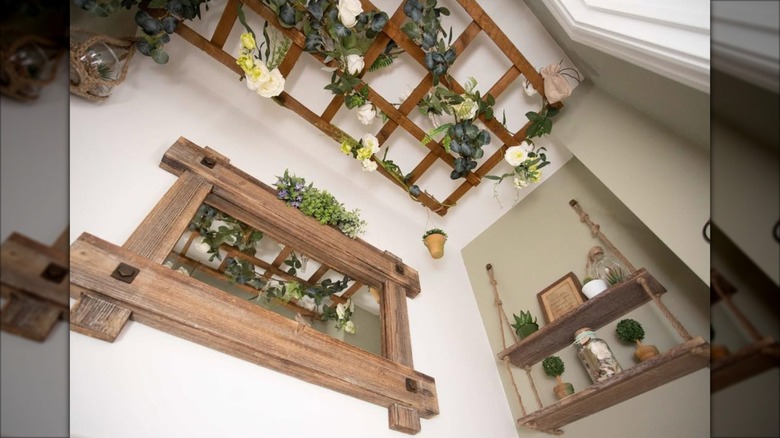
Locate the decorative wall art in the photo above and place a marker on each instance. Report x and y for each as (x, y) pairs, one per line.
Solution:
(561, 297)
(353, 40)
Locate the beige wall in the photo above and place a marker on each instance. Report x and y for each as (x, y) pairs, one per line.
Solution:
(542, 239)
(663, 178)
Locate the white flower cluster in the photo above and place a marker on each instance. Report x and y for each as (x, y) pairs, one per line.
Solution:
(525, 173)
(258, 78)
(344, 314)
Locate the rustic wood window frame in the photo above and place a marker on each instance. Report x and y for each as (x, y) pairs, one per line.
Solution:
(114, 284)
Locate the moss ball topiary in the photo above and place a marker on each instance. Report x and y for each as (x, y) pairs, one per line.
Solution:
(629, 331)
(553, 366)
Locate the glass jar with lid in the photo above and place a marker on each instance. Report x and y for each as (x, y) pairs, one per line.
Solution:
(595, 355)
(605, 267)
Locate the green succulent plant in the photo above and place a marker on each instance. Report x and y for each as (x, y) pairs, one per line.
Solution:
(434, 231)
(525, 324)
(586, 280)
(630, 331)
(553, 366)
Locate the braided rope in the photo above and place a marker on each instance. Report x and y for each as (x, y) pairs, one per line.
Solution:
(89, 83)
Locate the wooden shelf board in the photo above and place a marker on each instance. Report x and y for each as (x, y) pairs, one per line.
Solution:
(594, 313)
(679, 361)
(750, 361)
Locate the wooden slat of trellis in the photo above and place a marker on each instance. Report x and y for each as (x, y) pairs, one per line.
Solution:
(397, 117)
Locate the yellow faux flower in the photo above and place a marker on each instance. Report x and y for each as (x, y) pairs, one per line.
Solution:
(346, 149)
(246, 62)
(364, 153)
(248, 41)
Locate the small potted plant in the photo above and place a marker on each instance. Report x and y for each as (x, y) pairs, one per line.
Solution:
(630, 331)
(553, 367)
(717, 351)
(434, 240)
(524, 324)
(593, 286)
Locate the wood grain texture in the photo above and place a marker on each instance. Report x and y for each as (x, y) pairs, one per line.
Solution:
(396, 337)
(404, 419)
(287, 225)
(225, 25)
(679, 361)
(750, 361)
(29, 317)
(25, 260)
(98, 318)
(164, 225)
(594, 313)
(191, 309)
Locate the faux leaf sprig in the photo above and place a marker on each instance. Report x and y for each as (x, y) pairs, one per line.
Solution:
(462, 136)
(156, 26)
(425, 29)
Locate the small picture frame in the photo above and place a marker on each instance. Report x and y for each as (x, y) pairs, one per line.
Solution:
(560, 297)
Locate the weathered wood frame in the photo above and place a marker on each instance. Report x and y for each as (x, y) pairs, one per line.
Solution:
(152, 294)
(34, 282)
(397, 117)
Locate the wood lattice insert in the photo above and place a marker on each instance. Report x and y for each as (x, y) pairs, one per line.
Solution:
(398, 117)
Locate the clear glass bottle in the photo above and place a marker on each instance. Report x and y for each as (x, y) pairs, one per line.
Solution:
(607, 268)
(595, 355)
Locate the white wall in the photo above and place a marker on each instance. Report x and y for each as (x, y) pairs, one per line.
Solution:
(149, 383)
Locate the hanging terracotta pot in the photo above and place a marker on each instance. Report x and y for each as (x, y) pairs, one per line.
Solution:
(434, 240)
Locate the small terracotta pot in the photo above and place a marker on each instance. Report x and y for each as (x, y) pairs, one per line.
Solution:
(718, 352)
(435, 245)
(563, 390)
(644, 352)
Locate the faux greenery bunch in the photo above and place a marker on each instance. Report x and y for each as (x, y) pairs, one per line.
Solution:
(630, 331)
(156, 26)
(553, 366)
(425, 29)
(434, 231)
(230, 231)
(462, 137)
(339, 31)
(241, 236)
(318, 204)
(526, 160)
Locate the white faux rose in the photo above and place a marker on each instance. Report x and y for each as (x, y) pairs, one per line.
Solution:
(366, 114)
(355, 64)
(372, 142)
(257, 76)
(348, 12)
(273, 85)
(349, 327)
(369, 166)
(515, 155)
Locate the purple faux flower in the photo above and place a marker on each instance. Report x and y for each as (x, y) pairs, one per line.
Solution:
(295, 204)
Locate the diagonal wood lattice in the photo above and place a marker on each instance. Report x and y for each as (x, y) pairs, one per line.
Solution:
(397, 117)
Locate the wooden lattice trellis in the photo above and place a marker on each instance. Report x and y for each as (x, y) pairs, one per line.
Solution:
(397, 117)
